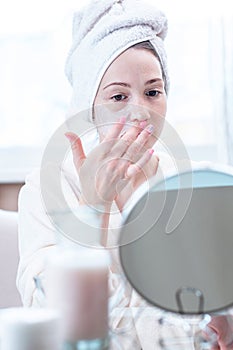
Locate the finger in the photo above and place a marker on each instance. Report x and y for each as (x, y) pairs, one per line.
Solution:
(215, 347)
(208, 336)
(201, 337)
(77, 149)
(134, 169)
(123, 143)
(223, 326)
(114, 132)
(134, 150)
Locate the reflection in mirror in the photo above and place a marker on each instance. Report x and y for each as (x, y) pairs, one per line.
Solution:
(187, 271)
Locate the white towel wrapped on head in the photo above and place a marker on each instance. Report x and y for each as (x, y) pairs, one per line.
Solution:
(102, 31)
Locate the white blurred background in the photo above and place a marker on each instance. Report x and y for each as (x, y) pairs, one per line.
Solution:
(35, 38)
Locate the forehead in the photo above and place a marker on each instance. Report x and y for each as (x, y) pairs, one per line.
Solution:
(131, 61)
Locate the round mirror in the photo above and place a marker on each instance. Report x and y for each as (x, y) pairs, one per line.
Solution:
(183, 260)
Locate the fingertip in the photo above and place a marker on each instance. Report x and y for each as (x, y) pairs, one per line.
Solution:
(71, 136)
(122, 120)
(142, 124)
(114, 132)
(151, 151)
(76, 148)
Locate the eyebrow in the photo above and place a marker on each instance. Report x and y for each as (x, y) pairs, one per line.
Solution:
(149, 82)
(116, 83)
(152, 81)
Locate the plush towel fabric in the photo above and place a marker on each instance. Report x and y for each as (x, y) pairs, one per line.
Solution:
(103, 30)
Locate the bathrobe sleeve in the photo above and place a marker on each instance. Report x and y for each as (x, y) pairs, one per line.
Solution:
(37, 239)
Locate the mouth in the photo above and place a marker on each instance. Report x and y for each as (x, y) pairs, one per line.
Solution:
(140, 125)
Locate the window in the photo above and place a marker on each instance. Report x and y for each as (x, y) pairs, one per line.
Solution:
(200, 57)
(35, 93)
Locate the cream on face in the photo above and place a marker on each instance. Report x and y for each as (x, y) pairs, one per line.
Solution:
(132, 86)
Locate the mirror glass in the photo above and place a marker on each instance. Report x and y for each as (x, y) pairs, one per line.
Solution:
(183, 261)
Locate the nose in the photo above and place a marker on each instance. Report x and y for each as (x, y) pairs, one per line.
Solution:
(138, 112)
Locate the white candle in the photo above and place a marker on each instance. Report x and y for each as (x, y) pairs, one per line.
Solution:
(30, 329)
(77, 285)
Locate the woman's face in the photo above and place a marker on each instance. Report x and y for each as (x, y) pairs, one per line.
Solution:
(133, 87)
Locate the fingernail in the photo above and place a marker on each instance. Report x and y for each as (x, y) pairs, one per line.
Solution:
(142, 124)
(150, 128)
(151, 151)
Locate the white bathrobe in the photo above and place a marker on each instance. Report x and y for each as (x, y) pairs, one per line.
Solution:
(133, 321)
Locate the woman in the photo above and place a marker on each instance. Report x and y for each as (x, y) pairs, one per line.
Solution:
(123, 161)
(118, 70)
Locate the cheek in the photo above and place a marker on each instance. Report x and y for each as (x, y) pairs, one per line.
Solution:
(157, 118)
(158, 122)
(159, 111)
(161, 106)
(105, 116)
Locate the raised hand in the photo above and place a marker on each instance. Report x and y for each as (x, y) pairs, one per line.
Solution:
(113, 164)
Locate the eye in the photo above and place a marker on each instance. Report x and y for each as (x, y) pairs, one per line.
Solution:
(118, 97)
(152, 93)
